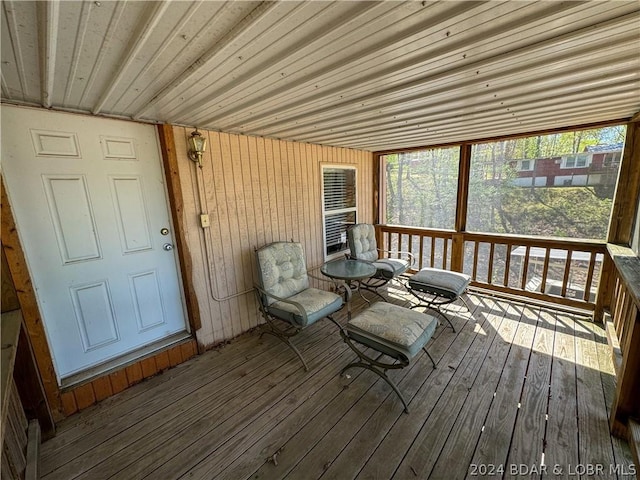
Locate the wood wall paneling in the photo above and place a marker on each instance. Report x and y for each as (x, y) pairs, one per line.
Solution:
(255, 191)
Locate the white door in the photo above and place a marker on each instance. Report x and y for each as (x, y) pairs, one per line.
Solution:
(90, 204)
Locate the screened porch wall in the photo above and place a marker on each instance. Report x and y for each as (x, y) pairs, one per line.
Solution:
(255, 191)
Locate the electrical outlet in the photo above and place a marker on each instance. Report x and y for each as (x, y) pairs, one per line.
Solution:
(204, 220)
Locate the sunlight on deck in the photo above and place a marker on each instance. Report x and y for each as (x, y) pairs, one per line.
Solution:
(516, 386)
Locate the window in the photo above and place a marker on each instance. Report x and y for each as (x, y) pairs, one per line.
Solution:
(611, 159)
(526, 165)
(567, 204)
(421, 187)
(339, 206)
(576, 161)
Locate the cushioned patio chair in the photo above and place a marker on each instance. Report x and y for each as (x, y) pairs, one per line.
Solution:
(363, 246)
(284, 293)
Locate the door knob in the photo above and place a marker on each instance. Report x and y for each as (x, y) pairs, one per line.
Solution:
(167, 246)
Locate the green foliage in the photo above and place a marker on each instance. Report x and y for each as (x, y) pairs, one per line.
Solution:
(558, 212)
(422, 188)
(556, 144)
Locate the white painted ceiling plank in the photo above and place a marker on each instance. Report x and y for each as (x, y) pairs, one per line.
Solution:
(78, 48)
(482, 128)
(171, 90)
(135, 47)
(118, 11)
(377, 71)
(503, 87)
(12, 51)
(369, 75)
(288, 114)
(453, 116)
(252, 46)
(354, 55)
(199, 27)
(287, 59)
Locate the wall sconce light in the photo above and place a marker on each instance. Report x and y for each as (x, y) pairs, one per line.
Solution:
(197, 145)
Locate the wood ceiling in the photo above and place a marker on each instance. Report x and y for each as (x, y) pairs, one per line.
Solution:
(365, 75)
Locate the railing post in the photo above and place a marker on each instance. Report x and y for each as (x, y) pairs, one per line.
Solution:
(625, 201)
(625, 306)
(380, 239)
(463, 187)
(605, 289)
(457, 252)
(458, 238)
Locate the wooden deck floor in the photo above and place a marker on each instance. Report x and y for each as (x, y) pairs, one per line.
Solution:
(516, 387)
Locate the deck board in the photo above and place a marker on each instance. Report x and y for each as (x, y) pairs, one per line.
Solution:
(248, 410)
(624, 460)
(527, 443)
(562, 426)
(354, 456)
(385, 459)
(595, 446)
(425, 451)
(492, 448)
(468, 427)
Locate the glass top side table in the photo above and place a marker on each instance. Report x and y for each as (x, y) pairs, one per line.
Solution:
(351, 271)
(348, 269)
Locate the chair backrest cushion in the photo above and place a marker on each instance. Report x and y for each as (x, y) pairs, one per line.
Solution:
(362, 242)
(282, 269)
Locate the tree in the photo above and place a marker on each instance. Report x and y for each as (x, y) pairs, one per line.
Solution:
(422, 188)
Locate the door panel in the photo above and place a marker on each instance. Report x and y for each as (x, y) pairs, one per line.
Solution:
(73, 221)
(90, 202)
(131, 212)
(94, 311)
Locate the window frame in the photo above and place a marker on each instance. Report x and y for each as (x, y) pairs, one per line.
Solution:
(466, 146)
(383, 200)
(610, 159)
(588, 158)
(531, 168)
(325, 212)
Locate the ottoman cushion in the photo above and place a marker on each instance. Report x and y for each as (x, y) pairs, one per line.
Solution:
(440, 282)
(390, 267)
(392, 329)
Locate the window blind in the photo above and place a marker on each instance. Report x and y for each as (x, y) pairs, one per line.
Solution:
(339, 207)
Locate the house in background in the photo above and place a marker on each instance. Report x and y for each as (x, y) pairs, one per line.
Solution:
(597, 165)
(125, 257)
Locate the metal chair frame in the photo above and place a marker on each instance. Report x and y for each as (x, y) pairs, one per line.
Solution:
(374, 365)
(436, 301)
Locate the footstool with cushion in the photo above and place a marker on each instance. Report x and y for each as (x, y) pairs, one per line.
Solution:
(434, 287)
(393, 331)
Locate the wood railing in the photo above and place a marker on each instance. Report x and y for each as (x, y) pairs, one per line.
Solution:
(562, 271)
(623, 303)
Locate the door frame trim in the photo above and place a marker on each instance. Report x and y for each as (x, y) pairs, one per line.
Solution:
(176, 206)
(29, 306)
